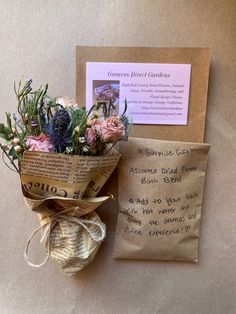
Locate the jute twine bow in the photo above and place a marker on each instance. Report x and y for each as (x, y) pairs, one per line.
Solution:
(54, 220)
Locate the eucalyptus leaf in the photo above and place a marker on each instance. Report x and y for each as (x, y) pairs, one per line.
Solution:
(3, 135)
(9, 124)
(4, 131)
(13, 153)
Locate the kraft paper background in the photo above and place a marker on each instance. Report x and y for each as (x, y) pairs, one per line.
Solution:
(38, 40)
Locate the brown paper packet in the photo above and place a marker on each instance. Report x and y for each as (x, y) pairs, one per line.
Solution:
(160, 187)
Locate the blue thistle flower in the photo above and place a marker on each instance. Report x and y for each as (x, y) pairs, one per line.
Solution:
(59, 130)
(43, 120)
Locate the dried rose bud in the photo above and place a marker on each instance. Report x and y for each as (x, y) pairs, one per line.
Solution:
(89, 122)
(93, 122)
(96, 114)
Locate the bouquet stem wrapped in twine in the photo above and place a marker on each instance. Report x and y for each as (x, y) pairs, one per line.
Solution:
(62, 189)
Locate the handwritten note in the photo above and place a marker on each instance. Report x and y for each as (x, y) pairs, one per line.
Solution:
(160, 198)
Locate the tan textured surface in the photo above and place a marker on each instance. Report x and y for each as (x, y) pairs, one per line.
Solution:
(38, 39)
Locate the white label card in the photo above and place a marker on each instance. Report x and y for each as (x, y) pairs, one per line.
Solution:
(155, 93)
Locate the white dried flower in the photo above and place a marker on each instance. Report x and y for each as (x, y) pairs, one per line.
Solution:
(67, 102)
(82, 139)
(69, 150)
(15, 141)
(85, 149)
(18, 148)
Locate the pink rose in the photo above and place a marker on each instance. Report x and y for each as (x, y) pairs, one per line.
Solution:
(91, 136)
(40, 143)
(111, 130)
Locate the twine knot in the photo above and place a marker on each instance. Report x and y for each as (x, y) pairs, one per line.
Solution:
(68, 214)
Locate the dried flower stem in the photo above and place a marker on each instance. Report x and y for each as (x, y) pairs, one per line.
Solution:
(11, 160)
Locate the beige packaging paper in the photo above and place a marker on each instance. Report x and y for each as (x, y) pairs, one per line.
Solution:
(53, 186)
(160, 186)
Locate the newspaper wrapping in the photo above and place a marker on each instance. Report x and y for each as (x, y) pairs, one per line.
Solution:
(62, 190)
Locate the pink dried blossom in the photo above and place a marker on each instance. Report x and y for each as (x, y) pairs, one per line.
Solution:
(91, 136)
(40, 143)
(111, 130)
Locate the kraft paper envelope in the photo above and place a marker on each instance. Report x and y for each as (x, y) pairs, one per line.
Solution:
(199, 58)
(160, 187)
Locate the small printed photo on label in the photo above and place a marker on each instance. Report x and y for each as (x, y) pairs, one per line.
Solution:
(105, 91)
